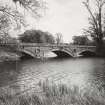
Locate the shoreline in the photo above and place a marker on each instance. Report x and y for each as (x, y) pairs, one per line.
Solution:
(8, 56)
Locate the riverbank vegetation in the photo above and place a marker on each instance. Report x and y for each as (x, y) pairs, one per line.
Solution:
(8, 56)
(55, 94)
(8, 48)
(96, 20)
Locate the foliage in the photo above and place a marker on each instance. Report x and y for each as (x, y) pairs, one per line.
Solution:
(36, 36)
(80, 40)
(6, 38)
(8, 43)
(32, 5)
(49, 38)
(11, 17)
(4, 22)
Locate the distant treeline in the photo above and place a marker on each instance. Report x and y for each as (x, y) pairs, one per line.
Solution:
(83, 40)
(30, 36)
(36, 36)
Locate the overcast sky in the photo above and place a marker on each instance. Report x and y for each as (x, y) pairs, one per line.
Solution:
(68, 17)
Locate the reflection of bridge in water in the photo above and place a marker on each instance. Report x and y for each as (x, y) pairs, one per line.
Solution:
(61, 50)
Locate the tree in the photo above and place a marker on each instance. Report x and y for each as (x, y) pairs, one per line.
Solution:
(59, 38)
(36, 36)
(13, 17)
(80, 40)
(49, 38)
(31, 5)
(96, 21)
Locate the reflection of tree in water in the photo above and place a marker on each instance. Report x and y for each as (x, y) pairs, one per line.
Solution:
(8, 73)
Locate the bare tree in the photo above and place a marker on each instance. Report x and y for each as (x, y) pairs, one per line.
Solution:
(59, 38)
(96, 20)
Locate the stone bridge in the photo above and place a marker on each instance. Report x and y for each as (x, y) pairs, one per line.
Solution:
(61, 50)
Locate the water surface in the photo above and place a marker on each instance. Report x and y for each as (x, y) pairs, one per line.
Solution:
(26, 74)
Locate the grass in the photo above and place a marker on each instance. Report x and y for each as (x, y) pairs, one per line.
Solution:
(56, 94)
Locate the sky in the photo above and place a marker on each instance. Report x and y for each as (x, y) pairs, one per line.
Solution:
(68, 17)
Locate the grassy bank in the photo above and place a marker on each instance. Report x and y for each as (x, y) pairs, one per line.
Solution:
(8, 56)
(56, 94)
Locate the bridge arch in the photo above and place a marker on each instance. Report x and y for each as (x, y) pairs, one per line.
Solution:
(62, 53)
(87, 53)
(27, 54)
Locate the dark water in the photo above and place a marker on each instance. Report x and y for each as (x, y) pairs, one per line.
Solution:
(25, 74)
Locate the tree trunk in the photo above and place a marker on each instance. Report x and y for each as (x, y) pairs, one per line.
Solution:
(100, 47)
